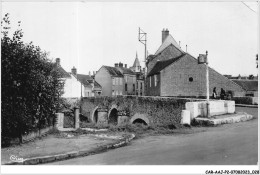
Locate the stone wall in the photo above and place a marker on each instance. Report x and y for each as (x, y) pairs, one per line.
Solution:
(153, 90)
(158, 110)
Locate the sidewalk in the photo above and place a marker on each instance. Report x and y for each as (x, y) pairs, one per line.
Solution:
(61, 146)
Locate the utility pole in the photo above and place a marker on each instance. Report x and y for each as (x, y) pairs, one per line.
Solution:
(256, 60)
(207, 84)
(203, 59)
(142, 37)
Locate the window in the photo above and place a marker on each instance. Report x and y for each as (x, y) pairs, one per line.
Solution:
(113, 81)
(150, 81)
(134, 87)
(141, 85)
(113, 92)
(155, 80)
(125, 87)
(116, 81)
(190, 79)
(134, 79)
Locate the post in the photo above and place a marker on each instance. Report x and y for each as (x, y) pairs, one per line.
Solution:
(207, 84)
(60, 120)
(76, 113)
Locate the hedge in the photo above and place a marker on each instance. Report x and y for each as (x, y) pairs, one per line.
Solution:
(243, 100)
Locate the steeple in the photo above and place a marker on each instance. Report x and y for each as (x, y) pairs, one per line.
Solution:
(136, 63)
(136, 66)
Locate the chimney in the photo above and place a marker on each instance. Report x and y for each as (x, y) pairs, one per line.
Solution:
(121, 64)
(125, 65)
(89, 73)
(165, 33)
(74, 71)
(116, 64)
(58, 62)
(94, 73)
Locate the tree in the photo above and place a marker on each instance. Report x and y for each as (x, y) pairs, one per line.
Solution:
(251, 77)
(31, 85)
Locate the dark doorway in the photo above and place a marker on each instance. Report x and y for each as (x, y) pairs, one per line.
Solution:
(95, 118)
(112, 118)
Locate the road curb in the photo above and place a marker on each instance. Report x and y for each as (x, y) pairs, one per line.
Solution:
(73, 154)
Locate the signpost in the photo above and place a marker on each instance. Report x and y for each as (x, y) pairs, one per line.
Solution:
(203, 59)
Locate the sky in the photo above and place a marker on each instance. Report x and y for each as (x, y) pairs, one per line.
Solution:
(88, 35)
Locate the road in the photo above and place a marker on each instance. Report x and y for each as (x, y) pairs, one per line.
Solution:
(230, 144)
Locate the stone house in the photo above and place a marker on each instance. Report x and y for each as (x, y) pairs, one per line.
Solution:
(173, 72)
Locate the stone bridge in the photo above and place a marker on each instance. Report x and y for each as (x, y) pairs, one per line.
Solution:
(159, 111)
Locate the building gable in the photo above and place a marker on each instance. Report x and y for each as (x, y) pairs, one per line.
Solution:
(160, 65)
(168, 41)
(168, 53)
(186, 77)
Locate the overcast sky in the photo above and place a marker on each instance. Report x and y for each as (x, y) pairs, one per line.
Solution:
(88, 35)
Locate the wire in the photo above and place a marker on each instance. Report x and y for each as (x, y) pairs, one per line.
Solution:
(248, 6)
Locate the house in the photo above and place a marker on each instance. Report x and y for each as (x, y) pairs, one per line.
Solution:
(250, 86)
(91, 87)
(173, 72)
(129, 79)
(121, 80)
(111, 80)
(239, 77)
(78, 85)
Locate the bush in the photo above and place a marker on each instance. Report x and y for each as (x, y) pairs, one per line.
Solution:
(243, 100)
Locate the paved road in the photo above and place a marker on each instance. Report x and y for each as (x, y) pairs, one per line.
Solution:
(230, 144)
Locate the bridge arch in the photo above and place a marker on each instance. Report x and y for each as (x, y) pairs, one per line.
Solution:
(94, 117)
(140, 118)
(112, 115)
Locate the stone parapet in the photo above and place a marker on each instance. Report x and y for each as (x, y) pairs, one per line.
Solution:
(216, 107)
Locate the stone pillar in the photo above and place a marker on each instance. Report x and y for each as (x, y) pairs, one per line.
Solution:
(122, 120)
(60, 120)
(185, 117)
(102, 116)
(76, 114)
